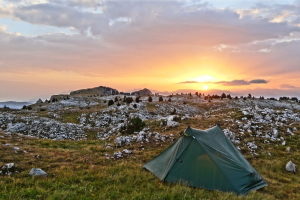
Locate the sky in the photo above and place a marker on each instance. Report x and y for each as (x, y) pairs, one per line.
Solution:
(56, 46)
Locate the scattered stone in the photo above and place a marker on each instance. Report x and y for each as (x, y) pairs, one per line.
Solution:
(37, 156)
(118, 154)
(290, 167)
(37, 172)
(8, 169)
(126, 151)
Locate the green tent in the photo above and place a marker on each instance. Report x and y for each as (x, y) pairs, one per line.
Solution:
(206, 159)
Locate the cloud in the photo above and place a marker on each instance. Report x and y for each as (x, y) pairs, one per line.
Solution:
(287, 86)
(233, 83)
(258, 81)
(188, 82)
(241, 82)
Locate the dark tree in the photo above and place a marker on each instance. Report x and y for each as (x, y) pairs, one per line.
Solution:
(229, 96)
(137, 100)
(223, 95)
(129, 100)
(149, 99)
(169, 100)
(110, 102)
(160, 98)
(134, 105)
(249, 95)
(24, 107)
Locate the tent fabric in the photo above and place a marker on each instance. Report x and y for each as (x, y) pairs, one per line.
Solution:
(206, 159)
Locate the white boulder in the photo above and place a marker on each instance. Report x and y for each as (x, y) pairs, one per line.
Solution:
(290, 167)
(37, 172)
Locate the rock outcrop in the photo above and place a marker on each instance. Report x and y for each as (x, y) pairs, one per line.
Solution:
(59, 97)
(39, 101)
(96, 91)
(143, 92)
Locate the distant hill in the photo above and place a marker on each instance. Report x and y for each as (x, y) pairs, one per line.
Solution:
(96, 91)
(143, 92)
(14, 104)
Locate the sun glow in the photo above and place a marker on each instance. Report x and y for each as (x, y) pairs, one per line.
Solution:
(205, 87)
(204, 78)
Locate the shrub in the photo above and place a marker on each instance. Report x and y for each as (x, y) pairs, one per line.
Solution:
(160, 98)
(294, 99)
(110, 102)
(43, 109)
(29, 107)
(24, 107)
(134, 105)
(129, 100)
(134, 124)
(169, 100)
(149, 99)
(116, 99)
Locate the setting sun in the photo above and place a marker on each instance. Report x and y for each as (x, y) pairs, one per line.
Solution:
(205, 87)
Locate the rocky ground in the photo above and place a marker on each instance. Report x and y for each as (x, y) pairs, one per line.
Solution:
(245, 122)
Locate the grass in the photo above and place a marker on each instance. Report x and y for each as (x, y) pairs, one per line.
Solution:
(151, 107)
(79, 170)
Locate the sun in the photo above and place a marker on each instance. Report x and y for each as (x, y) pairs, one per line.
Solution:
(205, 87)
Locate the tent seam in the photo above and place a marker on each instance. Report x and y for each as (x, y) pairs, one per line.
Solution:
(179, 155)
(163, 177)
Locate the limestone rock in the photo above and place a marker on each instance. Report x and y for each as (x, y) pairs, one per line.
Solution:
(39, 101)
(18, 127)
(290, 167)
(8, 169)
(37, 172)
(143, 92)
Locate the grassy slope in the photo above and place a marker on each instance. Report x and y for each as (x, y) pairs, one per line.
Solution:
(79, 170)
